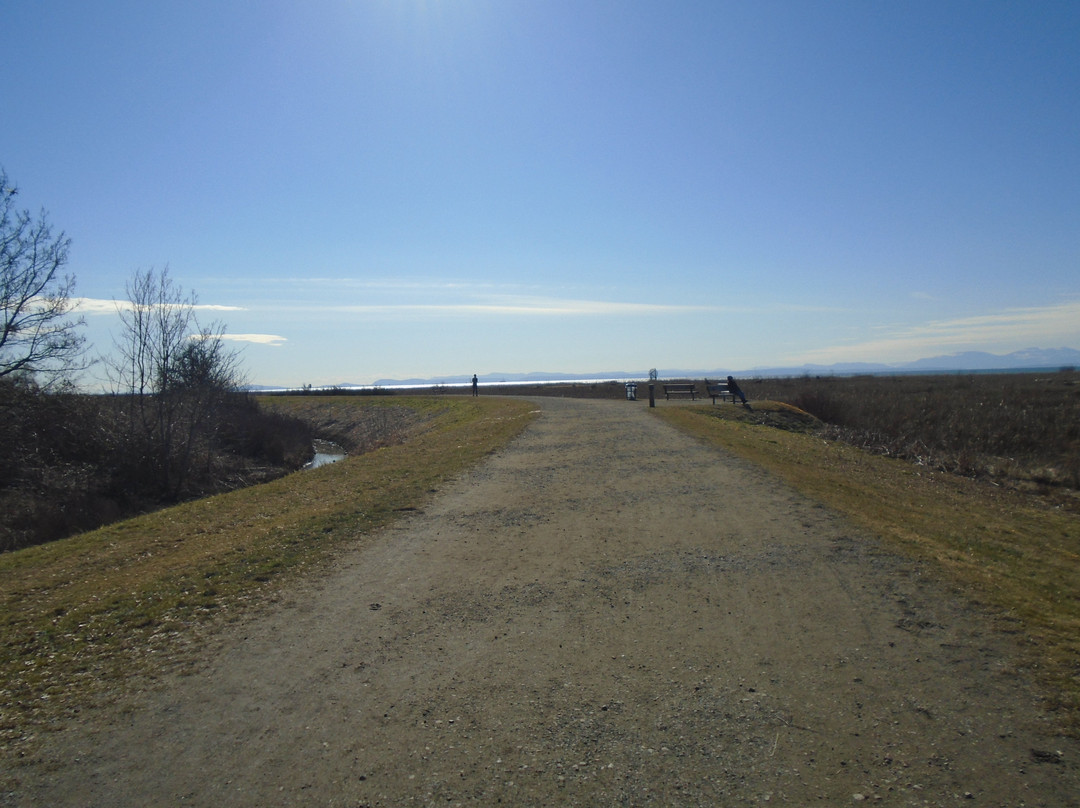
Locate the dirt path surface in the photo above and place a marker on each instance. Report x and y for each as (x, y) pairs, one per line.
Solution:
(604, 613)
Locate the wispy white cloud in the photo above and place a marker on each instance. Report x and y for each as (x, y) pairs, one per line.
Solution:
(392, 284)
(524, 306)
(1010, 329)
(527, 306)
(399, 285)
(260, 339)
(95, 305)
(472, 300)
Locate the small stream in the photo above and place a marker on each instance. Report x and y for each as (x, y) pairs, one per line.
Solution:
(326, 452)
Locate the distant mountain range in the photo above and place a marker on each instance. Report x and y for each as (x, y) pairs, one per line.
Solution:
(971, 361)
(975, 361)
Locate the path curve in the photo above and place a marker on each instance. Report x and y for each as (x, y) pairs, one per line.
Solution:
(607, 612)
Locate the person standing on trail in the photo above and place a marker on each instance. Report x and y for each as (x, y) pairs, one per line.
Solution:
(475, 383)
(735, 390)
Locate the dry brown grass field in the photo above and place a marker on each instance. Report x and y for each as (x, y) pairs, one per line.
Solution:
(1013, 548)
(1012, 428)
(80, 615)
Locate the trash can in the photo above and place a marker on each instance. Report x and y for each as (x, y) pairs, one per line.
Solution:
(631, 391)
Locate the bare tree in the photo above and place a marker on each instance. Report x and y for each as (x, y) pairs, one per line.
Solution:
(203, 363)
(175, 373)
(37, 336)
(155, 323)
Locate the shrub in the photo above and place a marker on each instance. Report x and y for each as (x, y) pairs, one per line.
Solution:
(1008, 426)
(71, 462)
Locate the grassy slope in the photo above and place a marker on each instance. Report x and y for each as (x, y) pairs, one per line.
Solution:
(1005, 550)
(80, 615)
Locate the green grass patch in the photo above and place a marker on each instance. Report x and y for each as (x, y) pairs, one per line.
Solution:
(81, 615)
(1006, 550)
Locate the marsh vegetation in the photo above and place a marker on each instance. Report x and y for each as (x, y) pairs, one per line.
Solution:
(1018, 429)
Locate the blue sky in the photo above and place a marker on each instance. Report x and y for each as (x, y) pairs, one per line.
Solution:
(363, 189)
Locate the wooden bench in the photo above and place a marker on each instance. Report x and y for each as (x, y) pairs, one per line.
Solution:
(681, 389)
(719, 390)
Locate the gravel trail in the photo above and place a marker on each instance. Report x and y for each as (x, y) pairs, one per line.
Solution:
(606, 612)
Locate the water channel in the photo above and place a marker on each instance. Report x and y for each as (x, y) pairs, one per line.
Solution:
(326, 452)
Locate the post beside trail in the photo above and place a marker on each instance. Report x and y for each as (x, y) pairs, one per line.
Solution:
(652, 394)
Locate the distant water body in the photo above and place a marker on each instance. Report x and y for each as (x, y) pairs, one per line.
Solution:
(464, 386)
